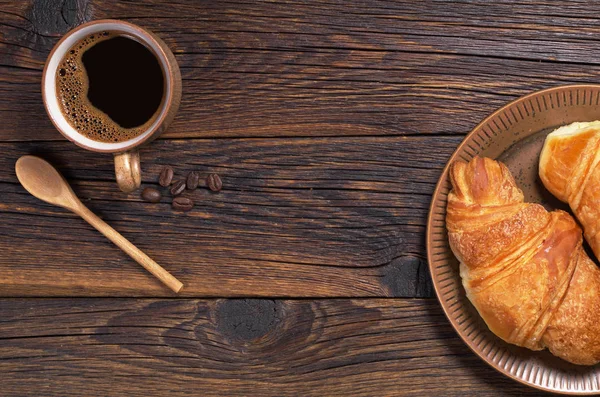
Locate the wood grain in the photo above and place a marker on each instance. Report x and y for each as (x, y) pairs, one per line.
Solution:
(237, 348)
(320, 68)
(329, 122)
(300, 217)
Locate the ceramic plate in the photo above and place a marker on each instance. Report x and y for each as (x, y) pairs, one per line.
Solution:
(513, 134)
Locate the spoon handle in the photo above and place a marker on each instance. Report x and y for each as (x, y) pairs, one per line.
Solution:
(134, 252)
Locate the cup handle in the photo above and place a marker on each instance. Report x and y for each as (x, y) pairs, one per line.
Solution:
(127, 170)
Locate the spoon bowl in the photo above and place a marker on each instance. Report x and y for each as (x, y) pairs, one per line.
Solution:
(43, 181)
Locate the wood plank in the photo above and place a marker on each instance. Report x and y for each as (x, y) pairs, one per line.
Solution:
(136, 347)
(296, 217)
(320, 68)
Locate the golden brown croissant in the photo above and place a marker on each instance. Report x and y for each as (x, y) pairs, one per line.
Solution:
(523, 268)
(569, 170)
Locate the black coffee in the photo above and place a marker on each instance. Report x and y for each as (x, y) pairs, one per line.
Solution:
(110, 87)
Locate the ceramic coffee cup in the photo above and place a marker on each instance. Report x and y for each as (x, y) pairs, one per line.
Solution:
(126, 155)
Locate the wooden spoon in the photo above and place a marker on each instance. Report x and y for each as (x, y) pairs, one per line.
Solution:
(44, 182)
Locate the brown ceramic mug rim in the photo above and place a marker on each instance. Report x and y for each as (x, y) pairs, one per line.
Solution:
(166, 103)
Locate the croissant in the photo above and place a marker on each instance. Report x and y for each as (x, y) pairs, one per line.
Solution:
(523, 268)
(569, 169)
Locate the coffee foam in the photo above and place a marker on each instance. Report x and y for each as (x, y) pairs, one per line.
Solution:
(72, 88)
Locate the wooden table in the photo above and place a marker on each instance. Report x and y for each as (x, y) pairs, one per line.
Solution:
(329, 122)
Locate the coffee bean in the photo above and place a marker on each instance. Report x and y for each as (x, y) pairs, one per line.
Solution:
(214, 183)
(151, 195)
(177, 188)
(193, 180)
(182, 204)
(166, 176)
